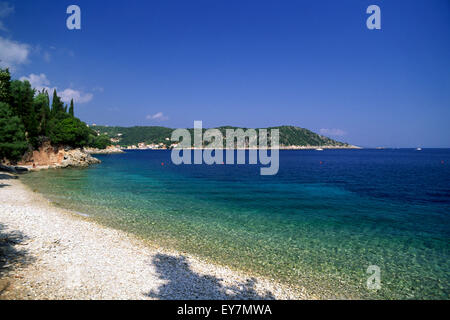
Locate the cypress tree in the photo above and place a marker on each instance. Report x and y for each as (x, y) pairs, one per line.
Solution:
(48, 102)
(42, 110)
(57, 106)
(71, 108)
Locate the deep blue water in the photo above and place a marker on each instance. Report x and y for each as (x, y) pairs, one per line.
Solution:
(319, 223)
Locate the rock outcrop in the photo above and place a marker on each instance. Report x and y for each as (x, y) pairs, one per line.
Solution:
(108, 150)
(48, 156)
(78, 158)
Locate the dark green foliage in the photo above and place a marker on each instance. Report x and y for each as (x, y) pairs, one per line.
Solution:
(12, 135)
(134, 135)
(58, 111)
(27, 119)
(42, 110)
(5, 86)
(71, 108)
(70, 132)
(99, 141)
(22, 104)
(289, 135)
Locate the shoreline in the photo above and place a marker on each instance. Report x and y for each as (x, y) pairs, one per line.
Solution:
(280, 148)
(54, 253)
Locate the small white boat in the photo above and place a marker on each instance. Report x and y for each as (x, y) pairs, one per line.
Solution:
(319, 149)
(419, 149)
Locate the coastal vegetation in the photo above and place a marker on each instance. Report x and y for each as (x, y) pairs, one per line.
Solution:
(289, 135)
(28, 118)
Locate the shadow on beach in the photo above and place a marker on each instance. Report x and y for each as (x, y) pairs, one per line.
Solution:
(10, 256)
(6, 177)
(183, 283)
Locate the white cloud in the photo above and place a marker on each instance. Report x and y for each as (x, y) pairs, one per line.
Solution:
(77, 96)
(40, 82)
(333, 132)
(157, 116)
(13, 53)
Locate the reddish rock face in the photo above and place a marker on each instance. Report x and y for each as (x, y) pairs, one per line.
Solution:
(45, 156)
(48, 155)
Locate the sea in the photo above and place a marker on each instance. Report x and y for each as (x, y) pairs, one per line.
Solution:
(343, 224)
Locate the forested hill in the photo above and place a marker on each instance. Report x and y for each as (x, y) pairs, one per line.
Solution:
(28, 119)
(289, 135)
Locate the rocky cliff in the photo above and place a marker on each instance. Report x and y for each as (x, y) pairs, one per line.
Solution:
(48, 156)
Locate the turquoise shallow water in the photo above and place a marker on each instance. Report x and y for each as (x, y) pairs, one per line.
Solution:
(319, 223)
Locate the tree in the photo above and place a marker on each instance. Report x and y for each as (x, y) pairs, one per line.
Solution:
(5, 86)
(22, 104)
(71, 132)
(27, 117)
(71, 108)
(99, 141)
(42, 110)
(57, 106)
(12, 135)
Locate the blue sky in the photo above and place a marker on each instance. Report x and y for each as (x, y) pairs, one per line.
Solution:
(312, 64)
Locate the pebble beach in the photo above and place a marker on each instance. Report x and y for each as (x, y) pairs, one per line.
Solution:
(47, 252)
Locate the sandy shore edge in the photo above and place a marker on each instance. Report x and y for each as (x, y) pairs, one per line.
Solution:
(50, 253)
